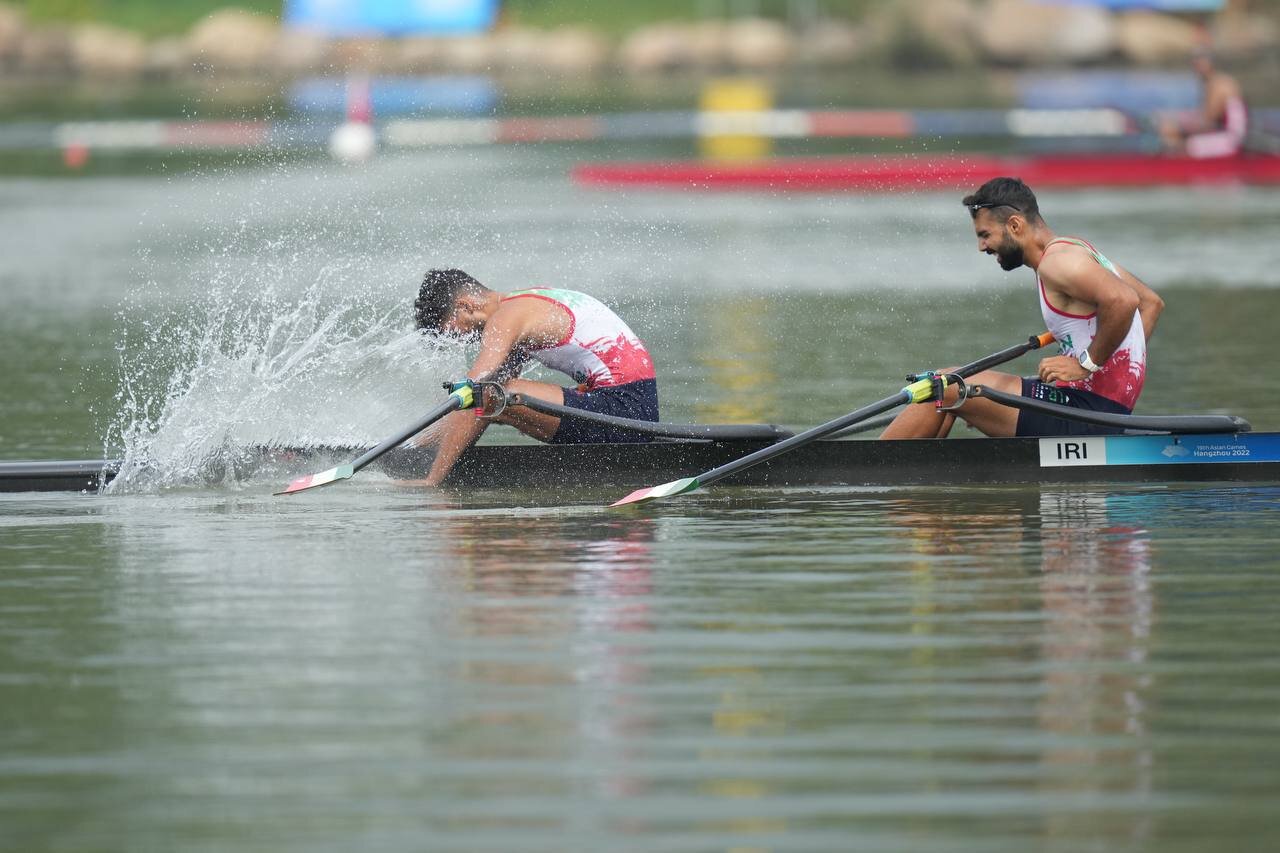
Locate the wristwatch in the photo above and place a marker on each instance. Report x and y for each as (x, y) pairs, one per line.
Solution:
(1087, 363)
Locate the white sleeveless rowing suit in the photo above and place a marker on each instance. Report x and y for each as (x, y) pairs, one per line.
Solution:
(600, 350)
(1225, 141)
(1121, 376)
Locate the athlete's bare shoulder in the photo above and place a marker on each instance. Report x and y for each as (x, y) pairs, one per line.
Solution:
(1063, 259)
(1225, 85)
(537, 321)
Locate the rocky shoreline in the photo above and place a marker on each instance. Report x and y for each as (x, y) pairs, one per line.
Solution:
(913, 34)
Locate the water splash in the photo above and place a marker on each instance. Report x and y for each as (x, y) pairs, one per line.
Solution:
(255, 364)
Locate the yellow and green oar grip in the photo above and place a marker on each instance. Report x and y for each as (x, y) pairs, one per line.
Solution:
(920, 391)
(465, 391)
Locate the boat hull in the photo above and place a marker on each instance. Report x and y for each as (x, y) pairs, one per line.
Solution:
(1253, 457)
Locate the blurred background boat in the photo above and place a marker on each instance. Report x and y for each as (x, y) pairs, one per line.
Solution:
(914, 173)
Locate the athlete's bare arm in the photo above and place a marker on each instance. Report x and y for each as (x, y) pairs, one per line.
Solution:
(1150, 305)
(1221, 89)
(517, 324)
(1077, 284)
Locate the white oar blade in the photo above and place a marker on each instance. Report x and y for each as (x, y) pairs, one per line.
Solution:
(324, 478)
(666, 490)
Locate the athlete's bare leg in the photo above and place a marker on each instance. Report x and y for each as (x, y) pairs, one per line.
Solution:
(923, 420)
(538, 425)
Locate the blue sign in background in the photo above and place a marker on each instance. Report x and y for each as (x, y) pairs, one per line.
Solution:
(1128, 89)
(440, 95)
(391, 17)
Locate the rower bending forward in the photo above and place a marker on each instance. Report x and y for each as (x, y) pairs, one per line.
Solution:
(567, 331)
(1100, 313)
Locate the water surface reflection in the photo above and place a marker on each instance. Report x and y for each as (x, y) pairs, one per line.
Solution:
(988, 668)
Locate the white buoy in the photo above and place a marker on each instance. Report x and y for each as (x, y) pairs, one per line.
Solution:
(352, 143)
(355, 141)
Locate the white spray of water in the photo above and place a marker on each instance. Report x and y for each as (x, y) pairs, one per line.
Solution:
(204, 389)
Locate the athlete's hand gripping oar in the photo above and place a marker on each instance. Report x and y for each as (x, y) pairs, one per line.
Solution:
(462, 395)
(920, 391)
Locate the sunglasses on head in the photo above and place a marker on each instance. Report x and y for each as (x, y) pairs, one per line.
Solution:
(992, 205)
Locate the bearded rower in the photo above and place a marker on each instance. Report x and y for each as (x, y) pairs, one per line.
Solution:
(1100, 313)
(570, 332)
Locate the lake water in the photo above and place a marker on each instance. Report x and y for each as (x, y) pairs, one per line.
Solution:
(193, 663)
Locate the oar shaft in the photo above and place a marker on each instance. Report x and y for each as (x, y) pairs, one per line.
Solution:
(1152, 423)
(461, 396)
(805, 437)
(706, 432)
(902, 397)
(997, 358)
(454, 402)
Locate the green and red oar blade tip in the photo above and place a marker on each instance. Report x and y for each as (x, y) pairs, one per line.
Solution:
(324, 478)
(666, 490)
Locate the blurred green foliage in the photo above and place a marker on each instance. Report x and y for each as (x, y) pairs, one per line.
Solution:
(166, 17)
(149, 17)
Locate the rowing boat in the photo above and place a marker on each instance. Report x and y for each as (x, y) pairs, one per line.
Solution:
(897, 173)
(1173, 458)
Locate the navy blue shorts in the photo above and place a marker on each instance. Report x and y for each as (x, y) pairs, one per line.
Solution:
(636, 400)
(1035, 423)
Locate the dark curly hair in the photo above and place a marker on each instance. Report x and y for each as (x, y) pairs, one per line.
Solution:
(439, 294)
(1004, 197)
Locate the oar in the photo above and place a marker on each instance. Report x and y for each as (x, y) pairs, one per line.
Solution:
(461, 397)
(919, 391)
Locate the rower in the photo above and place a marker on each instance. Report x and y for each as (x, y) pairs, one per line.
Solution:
(1099, 312)
(1223, 124)
(567, 331)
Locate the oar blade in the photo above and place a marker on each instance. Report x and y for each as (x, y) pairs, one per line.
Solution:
(666, 490)
(324, 478)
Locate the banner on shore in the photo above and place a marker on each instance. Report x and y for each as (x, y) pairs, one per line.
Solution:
(1152, 5)
(391, 17)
